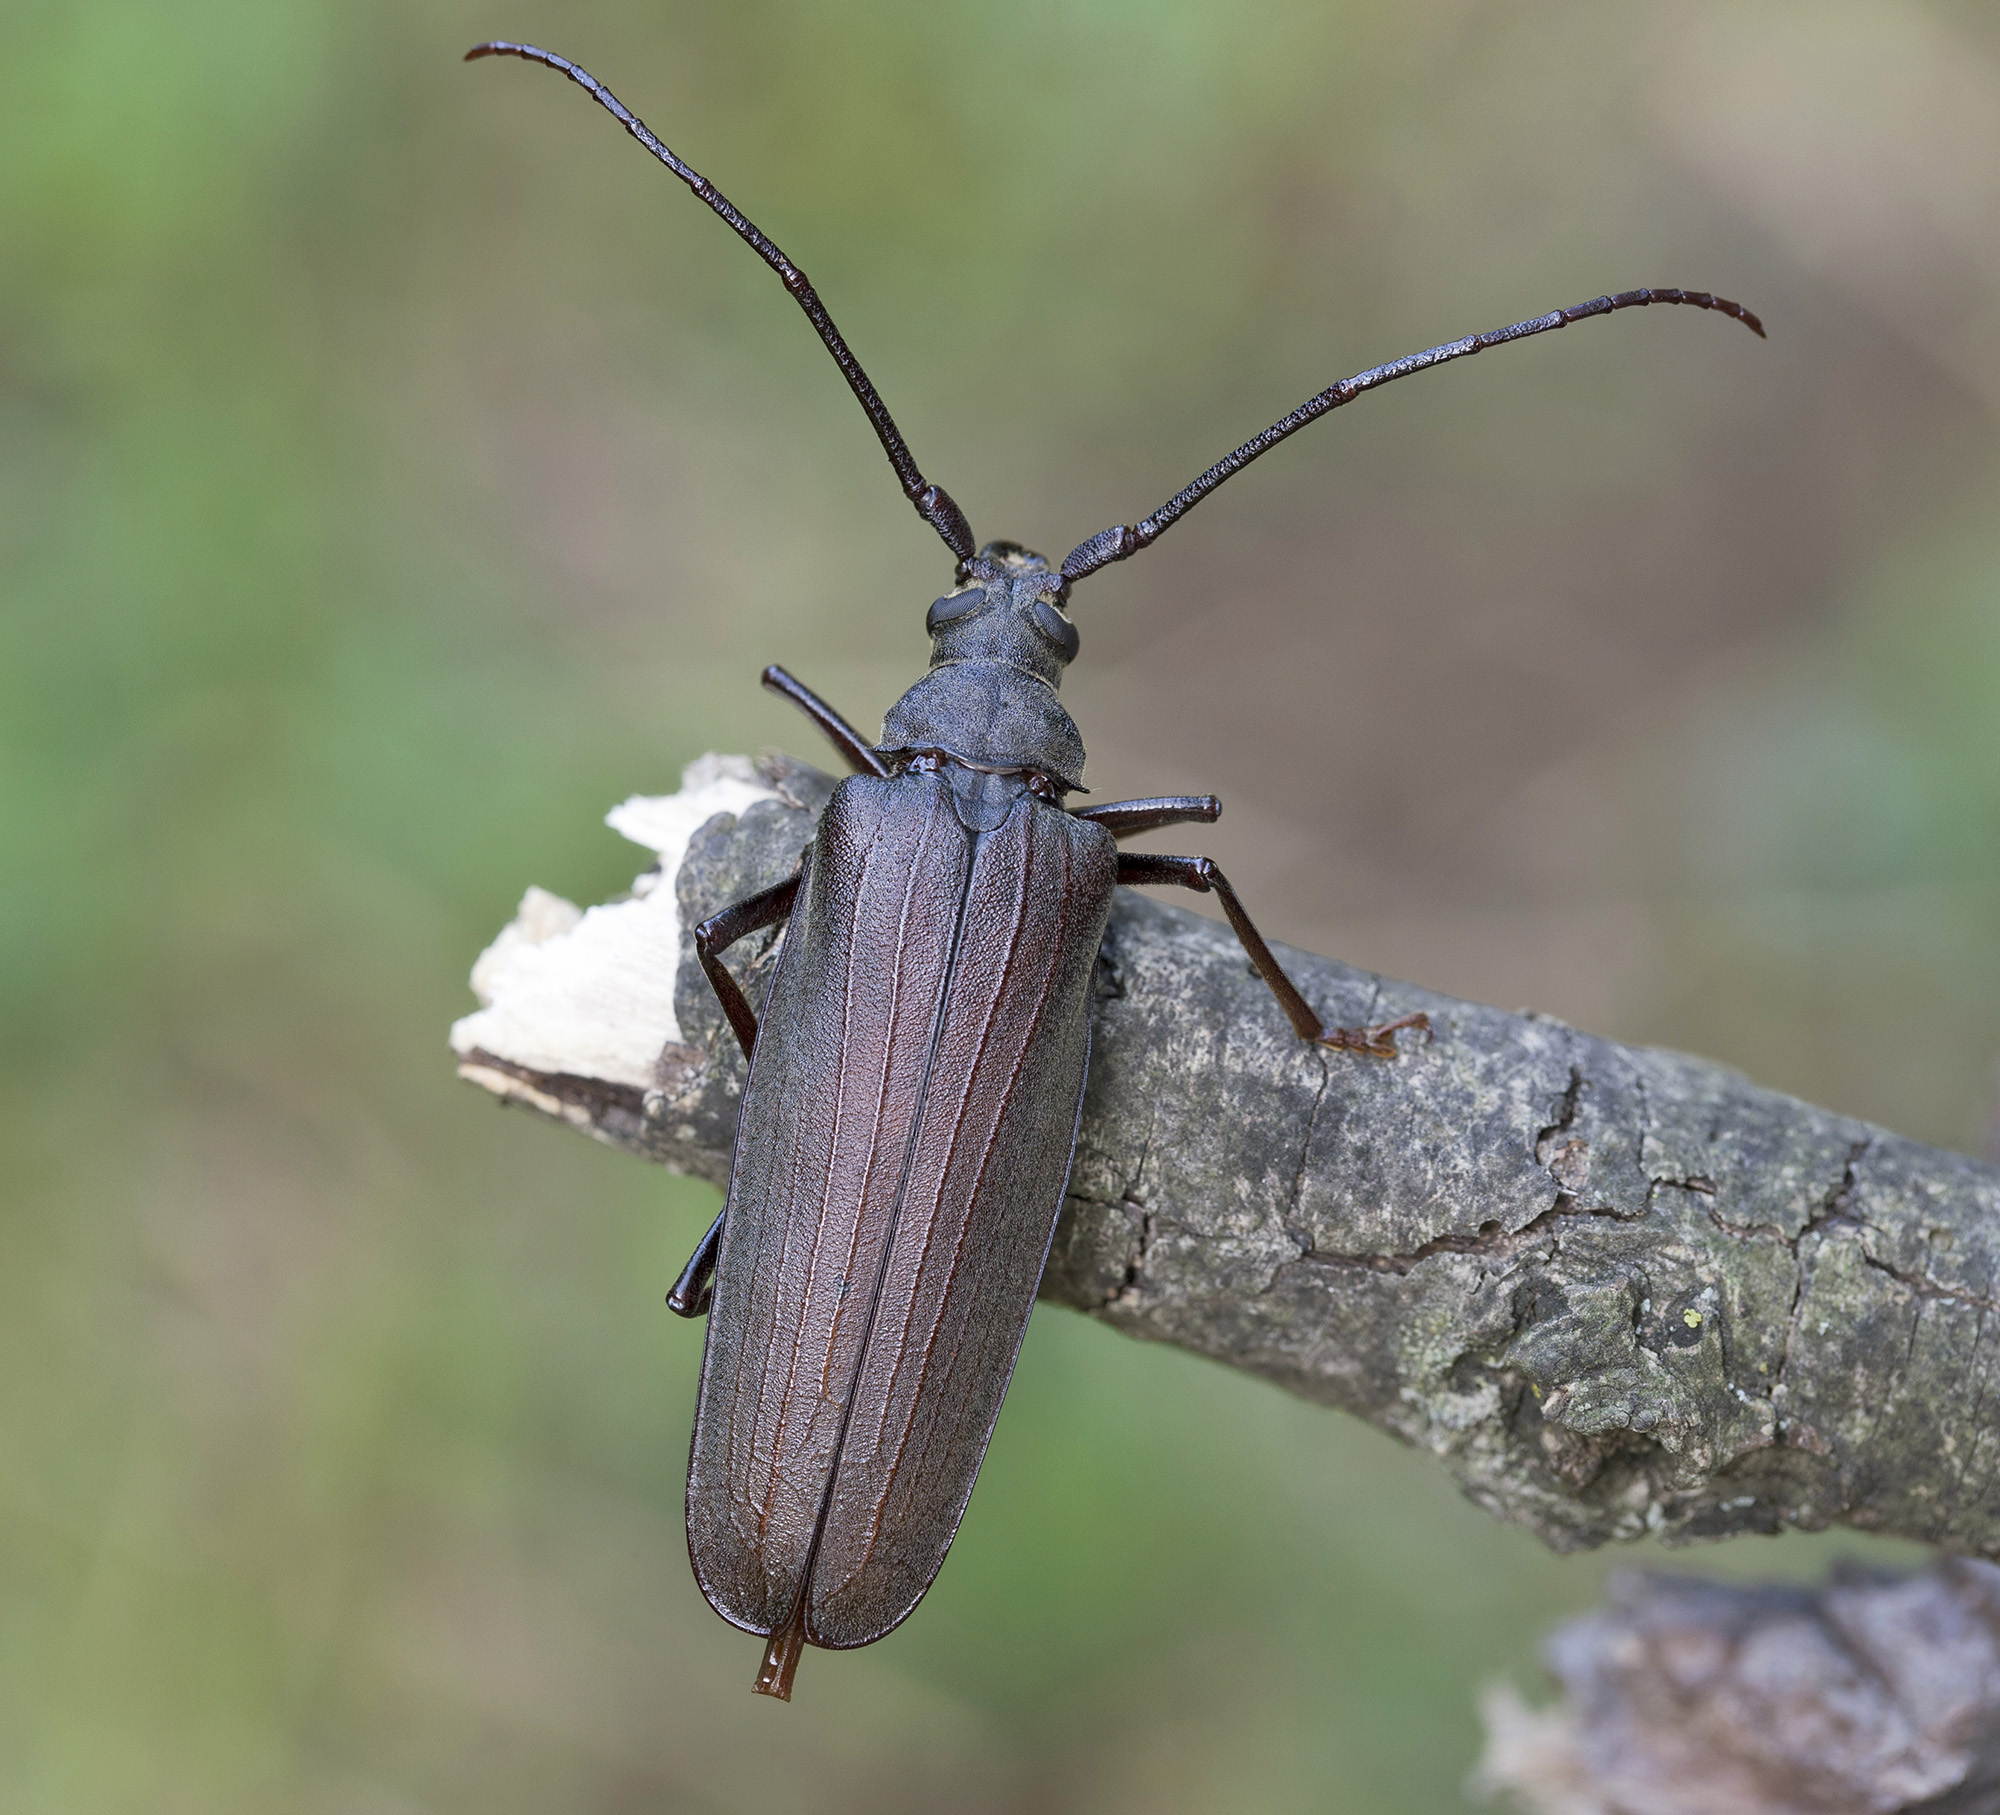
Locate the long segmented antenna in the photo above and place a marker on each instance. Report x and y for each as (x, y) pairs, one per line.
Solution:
(934, 504)
(1126, 539)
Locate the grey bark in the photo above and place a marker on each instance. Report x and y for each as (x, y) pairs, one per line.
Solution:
(1614, 1291)
(1875, 1693)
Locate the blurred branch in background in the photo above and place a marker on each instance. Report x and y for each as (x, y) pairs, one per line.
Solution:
(1876, 1694)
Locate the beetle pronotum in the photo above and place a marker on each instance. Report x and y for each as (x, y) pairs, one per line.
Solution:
(907, 1129)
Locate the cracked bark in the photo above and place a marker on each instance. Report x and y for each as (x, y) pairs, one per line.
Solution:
(1613, 1291)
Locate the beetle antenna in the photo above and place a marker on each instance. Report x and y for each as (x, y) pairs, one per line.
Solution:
(934, 504)
(1126, 539)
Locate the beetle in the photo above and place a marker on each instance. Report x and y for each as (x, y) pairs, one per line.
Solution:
(906, 1132)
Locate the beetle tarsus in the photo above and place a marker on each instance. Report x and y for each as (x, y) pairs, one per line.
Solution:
(781, 1656)
(1380, 1042)
(1204, 876)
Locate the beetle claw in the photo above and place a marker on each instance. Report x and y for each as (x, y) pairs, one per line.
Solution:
(1379, 1042)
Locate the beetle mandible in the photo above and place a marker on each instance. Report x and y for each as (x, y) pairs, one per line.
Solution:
(906, 1132)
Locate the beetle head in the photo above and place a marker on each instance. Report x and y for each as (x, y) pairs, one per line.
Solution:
(1007, 608)
(999, 644)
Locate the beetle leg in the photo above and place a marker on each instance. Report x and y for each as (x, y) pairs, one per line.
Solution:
(1125, 818)
(720, 931)
(1203, 876)
(696, 1285)
(861, 757)
(781, 1656)
(693, 1290)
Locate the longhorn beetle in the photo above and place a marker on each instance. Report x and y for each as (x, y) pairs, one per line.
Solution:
(906, 1132)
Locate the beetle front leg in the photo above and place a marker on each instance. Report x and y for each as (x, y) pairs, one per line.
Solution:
(719, 932)
(1141, 868)
(861, 757)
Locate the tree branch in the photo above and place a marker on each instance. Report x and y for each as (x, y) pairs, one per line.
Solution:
(1615, 1291)
(1876, 1693)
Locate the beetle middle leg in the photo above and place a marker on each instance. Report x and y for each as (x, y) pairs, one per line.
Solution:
(1128, 818)
(712, 937)
(719, 932)
(1141, 868)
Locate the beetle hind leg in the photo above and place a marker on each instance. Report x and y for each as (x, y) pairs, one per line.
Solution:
(1205, 877)
(781, 1656)
(696, 1285)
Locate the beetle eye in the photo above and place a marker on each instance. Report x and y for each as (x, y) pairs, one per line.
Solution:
(952, 607)
(1057, 628)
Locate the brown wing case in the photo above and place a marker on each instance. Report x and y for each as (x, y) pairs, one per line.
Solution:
(904, 1143)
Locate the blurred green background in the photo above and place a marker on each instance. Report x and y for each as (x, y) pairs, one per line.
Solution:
(397, 469)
